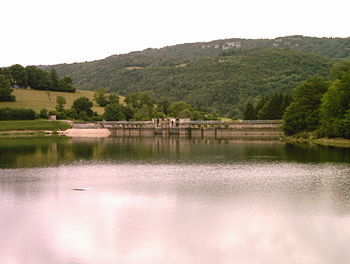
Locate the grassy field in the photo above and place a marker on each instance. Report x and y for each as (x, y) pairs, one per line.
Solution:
(36, 99)
(20, 125)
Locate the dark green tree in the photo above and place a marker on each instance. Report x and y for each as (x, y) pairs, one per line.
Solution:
(249, 112)
(177, 107)
(259, 105)
(146, 112)
(54, 81)
(334, 107)
(82, 107)
(6, 90)
(345, 126)
(185, 113)
(113, 99)
(60, 102)
(37, 78)
(163, 105)
(128, 112)
(114, 112)
(273, 108)
(139, 99)
(18, 75)
(43, 113)
(338, 70)
(66, 85)
(303, 112)
(198, 115)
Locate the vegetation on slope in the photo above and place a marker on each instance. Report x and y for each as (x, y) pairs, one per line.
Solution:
(221, 82)
(322, 105)
(221, 75)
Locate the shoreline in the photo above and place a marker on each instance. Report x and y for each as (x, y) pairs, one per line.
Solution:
(20, 133)
(305, 138)
(327, 142)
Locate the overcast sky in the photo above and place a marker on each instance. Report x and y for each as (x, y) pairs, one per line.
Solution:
(63, 31)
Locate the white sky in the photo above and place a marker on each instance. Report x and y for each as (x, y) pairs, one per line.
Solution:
(63, 31)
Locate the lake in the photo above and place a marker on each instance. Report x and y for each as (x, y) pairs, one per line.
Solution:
(171, 200)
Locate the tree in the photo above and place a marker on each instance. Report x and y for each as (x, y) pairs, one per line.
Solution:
(335, 106)
(128, 112)
(6, 90)
(82, 106)
(139, 99)
(185, 113)
(345, 125)
(101, 97)
(60, 102)
(273, 108)
(163, 105)
(338, 70)
(54, 81)
(114, 112)
(177, 107)
(37, 78)
(66, 84)
(260, 104)
(113, 99)
(197, 115)
(18, 75)
(303, 112)
(249, 112)
(43, 113)
(147, 112)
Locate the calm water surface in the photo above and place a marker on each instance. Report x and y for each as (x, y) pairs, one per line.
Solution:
(160, 200)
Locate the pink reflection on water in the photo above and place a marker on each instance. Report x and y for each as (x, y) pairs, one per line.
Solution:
(200, 214)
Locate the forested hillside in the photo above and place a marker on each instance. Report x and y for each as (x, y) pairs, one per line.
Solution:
(222, 74)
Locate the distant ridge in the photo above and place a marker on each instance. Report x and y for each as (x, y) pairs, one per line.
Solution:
(221, 73)
(330, 47)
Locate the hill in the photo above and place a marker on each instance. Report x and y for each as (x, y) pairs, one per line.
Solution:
(220, 74)
(37, 99)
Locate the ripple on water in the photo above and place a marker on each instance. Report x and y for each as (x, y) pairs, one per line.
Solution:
(243, 212)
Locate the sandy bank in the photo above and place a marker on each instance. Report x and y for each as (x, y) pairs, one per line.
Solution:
(87, 132)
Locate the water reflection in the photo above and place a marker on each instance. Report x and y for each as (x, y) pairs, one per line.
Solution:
(36, 152)
(172, 200)
(243, 212)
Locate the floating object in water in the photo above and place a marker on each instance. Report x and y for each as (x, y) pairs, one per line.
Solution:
(80, 189)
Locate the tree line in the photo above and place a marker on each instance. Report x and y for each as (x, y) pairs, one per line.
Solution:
(267, 108)
(142, 106)
(33, 77)
(321, 105)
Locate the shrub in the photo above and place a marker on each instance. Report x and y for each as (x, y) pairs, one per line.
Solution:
(7, 113)
(43, 113)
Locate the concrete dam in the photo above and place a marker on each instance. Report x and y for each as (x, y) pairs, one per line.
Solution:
(190, 129)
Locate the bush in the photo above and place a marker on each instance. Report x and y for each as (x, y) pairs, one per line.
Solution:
(61, 115)
(43, 113)
(7, 113)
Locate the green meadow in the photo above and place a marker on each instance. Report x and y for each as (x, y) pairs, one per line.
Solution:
(21, 125)
(37, 99)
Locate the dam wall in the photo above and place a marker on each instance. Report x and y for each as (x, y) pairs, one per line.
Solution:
(190, 129)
